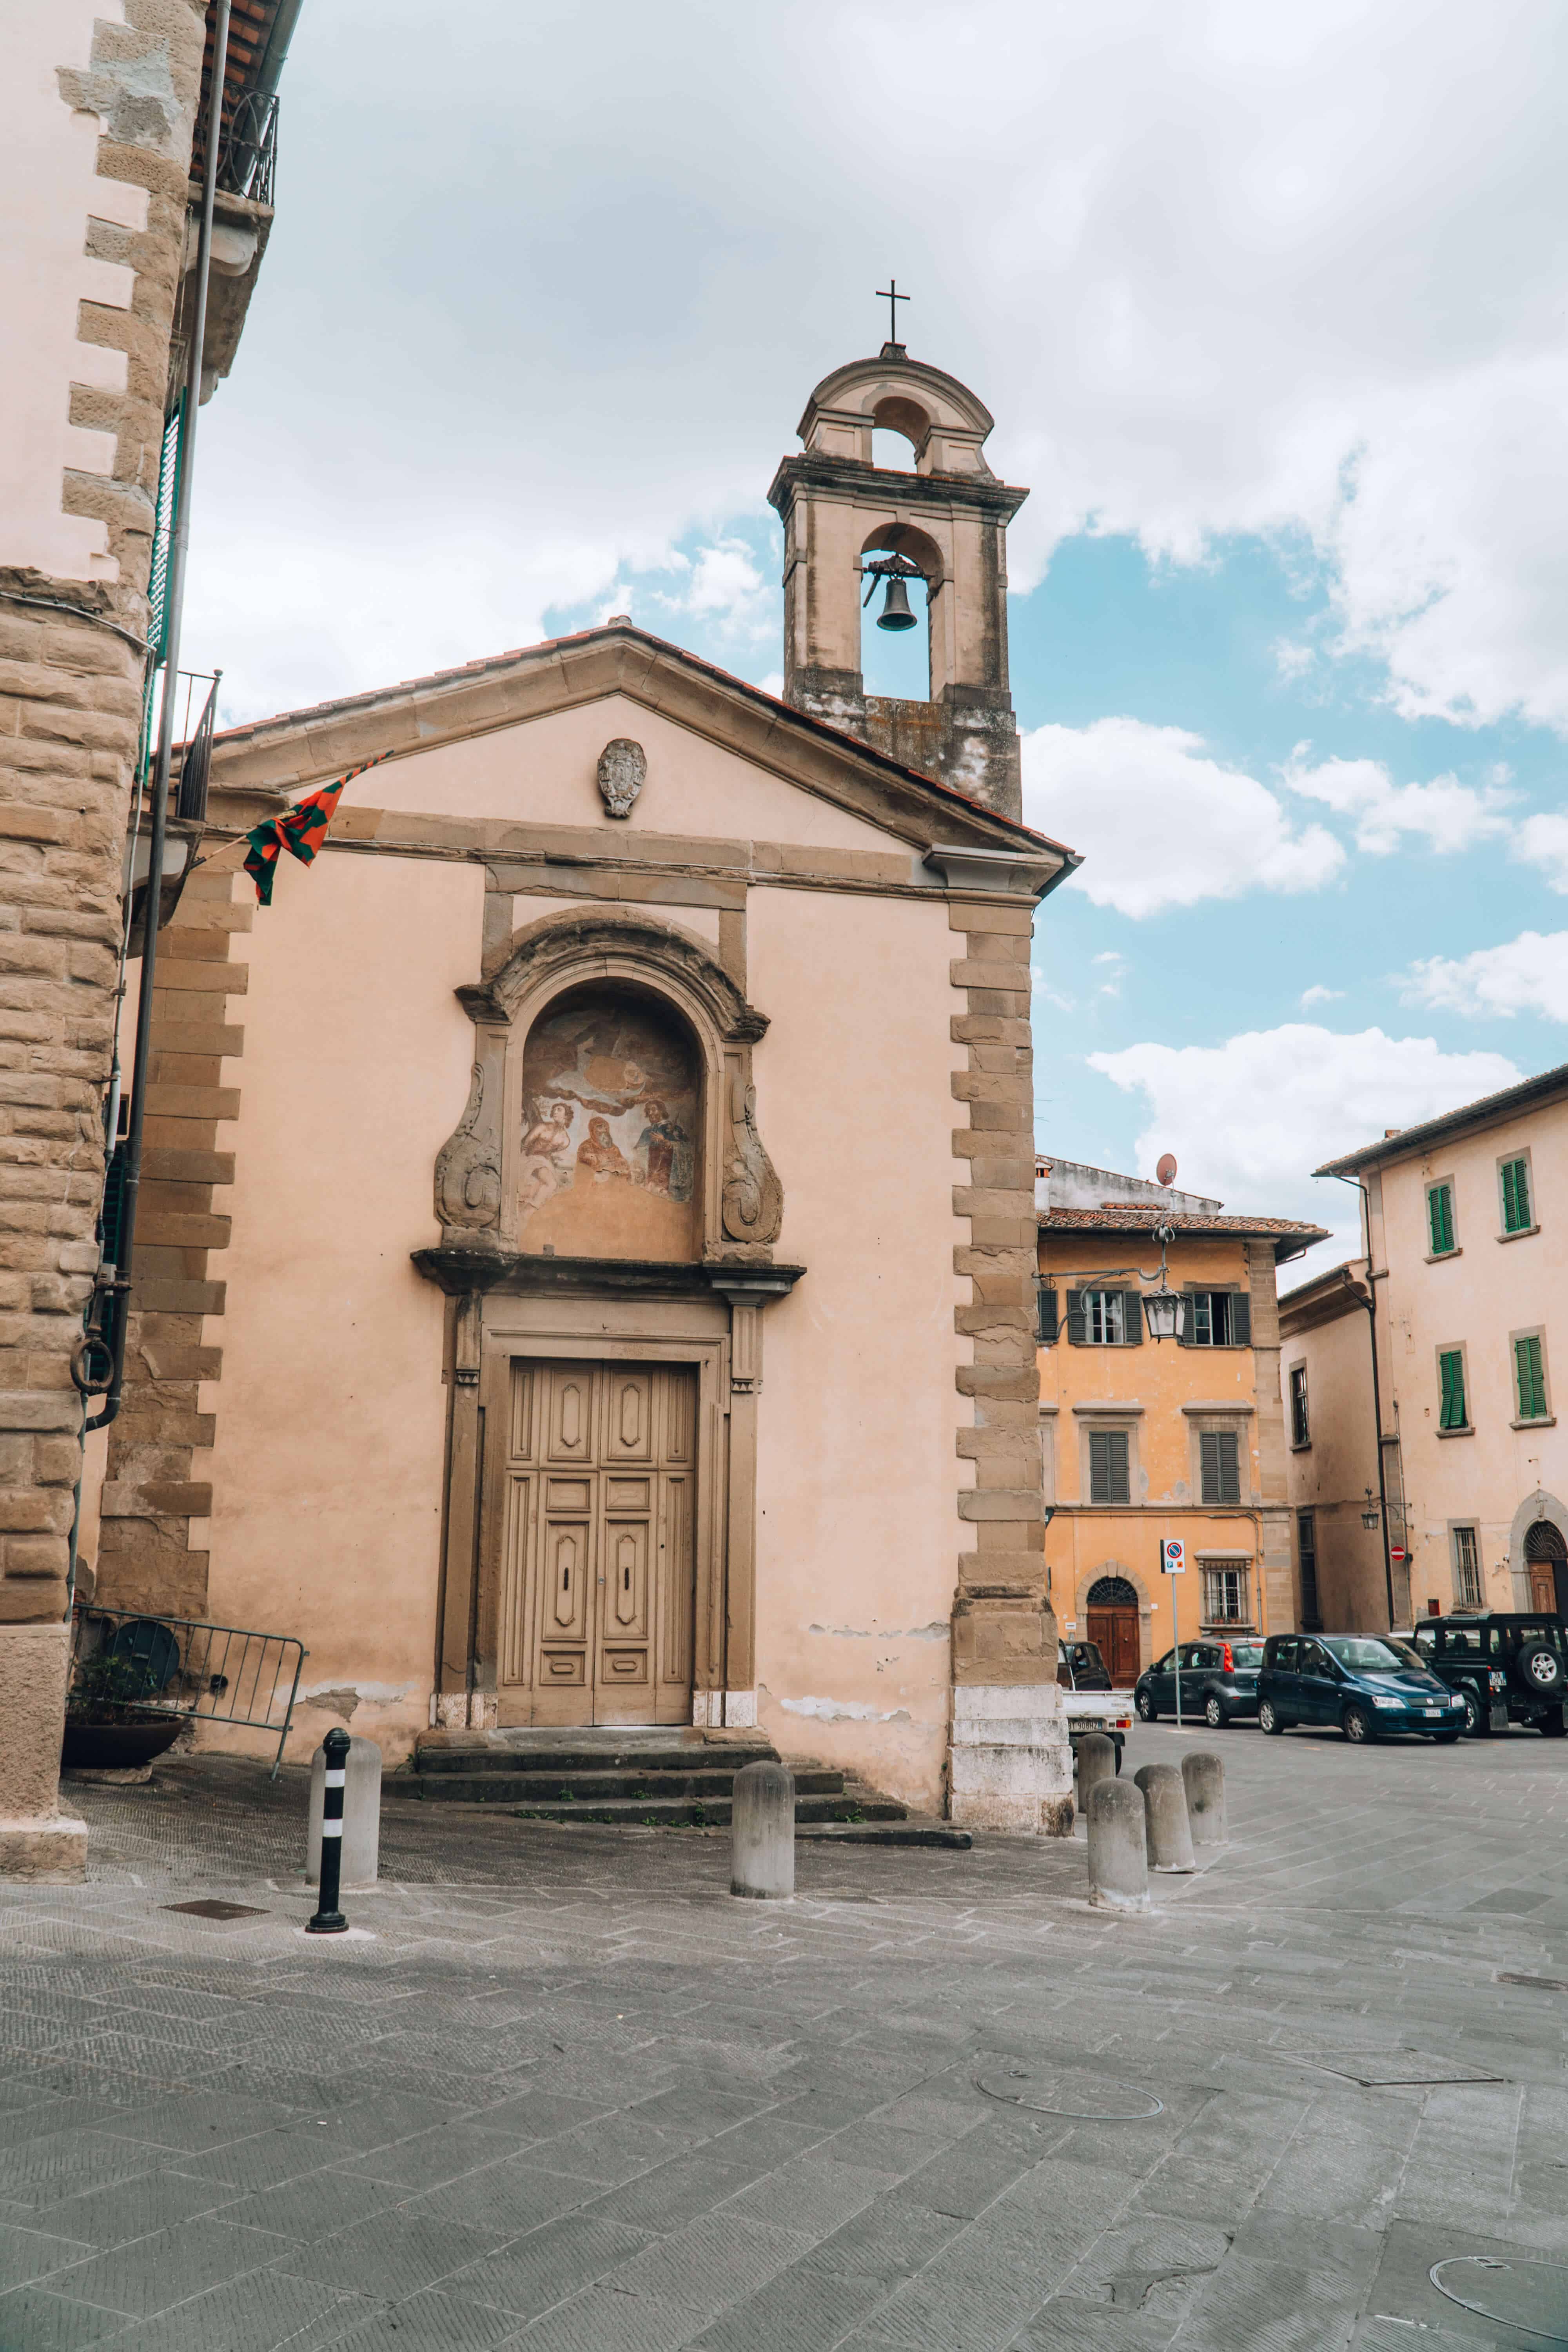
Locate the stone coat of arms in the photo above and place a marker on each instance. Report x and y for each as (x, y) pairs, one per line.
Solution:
(623, 770)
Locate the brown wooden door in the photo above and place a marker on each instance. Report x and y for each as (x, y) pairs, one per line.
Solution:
(599, 1558)
(1115, 1634)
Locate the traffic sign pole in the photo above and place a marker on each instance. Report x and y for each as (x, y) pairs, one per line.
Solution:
(1173, 1563)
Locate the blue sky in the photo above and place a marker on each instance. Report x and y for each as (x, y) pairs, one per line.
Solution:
(1268, 306)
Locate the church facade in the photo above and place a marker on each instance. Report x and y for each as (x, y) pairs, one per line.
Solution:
(588, 1272)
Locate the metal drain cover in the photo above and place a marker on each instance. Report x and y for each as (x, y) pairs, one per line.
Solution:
(1529, 2295)
(1053, 2093)
(211, 1908)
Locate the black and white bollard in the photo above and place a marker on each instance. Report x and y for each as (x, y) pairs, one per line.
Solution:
(1205, 1778)
(1118, 1848)
(1165, 1805)
(328, 1919)
(761, 1833)
(360, 1862)
(1096, 1762)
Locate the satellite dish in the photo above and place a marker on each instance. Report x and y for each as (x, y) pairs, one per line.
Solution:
(1166, 1172)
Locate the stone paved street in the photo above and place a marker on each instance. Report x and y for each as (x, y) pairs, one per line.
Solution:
(565, 2094)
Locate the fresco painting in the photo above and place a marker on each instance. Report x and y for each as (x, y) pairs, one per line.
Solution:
(610, 1111)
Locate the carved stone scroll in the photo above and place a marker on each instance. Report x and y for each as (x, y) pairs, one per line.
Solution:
(752, 1196)
(469, 1164)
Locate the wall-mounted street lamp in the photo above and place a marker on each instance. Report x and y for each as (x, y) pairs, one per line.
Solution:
(1369, 1517)
(1164, 1310)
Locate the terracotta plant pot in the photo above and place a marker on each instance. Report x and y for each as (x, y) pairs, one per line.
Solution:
(117, 1746)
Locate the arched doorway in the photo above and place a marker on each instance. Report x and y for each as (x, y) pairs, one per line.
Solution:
(1113, 1613)
(1546, 1565)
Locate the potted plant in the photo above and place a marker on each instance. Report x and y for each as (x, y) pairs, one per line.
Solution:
(109, 1726)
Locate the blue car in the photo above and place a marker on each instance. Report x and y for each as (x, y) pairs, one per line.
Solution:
(1364, 1684)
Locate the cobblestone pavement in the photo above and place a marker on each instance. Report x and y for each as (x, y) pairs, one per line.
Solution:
(559, 2093)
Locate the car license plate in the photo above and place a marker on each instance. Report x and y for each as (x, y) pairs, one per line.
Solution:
(1432, 1713)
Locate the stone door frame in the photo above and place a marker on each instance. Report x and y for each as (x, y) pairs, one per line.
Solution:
(707, 1317)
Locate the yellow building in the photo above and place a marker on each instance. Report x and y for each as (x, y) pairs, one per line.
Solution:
(1146, 1439)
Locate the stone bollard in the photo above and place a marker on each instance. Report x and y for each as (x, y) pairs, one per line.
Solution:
(1204, 1778)
(361, 1815)
(1096, 1762)
(1166, 1803)
(1118, 1848)
(761, 1833)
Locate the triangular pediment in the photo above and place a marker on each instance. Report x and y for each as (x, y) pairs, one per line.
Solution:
(725, 757)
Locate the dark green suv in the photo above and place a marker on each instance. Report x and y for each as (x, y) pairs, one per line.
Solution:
(1507, 1669)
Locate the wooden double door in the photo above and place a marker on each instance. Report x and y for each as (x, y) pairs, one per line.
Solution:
(599, 1555)
(1114, 1630)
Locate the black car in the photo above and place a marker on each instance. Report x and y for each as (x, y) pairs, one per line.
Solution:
(1365, 1684)
(1219, 1682)
(1507, 1669)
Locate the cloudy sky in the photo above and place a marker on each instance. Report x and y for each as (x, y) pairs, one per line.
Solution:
(1268, 305)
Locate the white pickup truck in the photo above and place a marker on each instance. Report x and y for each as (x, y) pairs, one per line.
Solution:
(1088, 1699)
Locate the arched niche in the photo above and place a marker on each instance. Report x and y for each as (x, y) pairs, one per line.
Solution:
(903, 667)
(588, 1026)
(610, 1129)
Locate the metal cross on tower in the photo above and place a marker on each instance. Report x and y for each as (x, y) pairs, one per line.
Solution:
(890, 295)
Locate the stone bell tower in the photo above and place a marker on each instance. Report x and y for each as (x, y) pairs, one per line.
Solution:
(948, 520)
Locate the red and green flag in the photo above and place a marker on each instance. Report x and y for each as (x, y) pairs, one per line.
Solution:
(300, 832)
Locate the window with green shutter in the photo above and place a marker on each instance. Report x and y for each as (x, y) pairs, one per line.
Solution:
(1515, 1196)
(1530, 1370)
(1440, 1219)
(1046, 1314)
(1220, 1465)
(1451, 1382)
(1109, 1479)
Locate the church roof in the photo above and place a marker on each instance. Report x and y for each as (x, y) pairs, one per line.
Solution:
(615, 657)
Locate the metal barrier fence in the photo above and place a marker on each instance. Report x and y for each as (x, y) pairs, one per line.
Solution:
(176, 1665)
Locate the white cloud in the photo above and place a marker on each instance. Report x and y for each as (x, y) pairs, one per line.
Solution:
(1291, 659)
(1109, 955)
(1529, 974)
(1444, 814)
(1161, 824)
(1544, 841)
(1319, 994)
(1250, 1119)
(533, 309)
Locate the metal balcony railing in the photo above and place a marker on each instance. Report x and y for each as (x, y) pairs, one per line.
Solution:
(248, 155)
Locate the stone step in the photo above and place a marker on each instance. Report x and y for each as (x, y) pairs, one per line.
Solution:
(465, 1753)
(532, 1786)
(712, 1812)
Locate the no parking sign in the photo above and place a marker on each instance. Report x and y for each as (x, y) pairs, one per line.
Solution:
(1174, 1556)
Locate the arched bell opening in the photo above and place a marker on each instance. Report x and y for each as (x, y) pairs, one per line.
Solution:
(901, 571)
(610, 1136)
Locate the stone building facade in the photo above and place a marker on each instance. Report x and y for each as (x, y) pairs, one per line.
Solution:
(618, 1213)
(97, 116)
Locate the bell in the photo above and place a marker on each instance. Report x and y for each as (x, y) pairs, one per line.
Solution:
(895, 612)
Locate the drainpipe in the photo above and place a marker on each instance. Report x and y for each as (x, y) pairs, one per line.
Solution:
(160, 795)
(1376, 1388)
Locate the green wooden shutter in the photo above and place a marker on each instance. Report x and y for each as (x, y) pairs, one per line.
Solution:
(1184, 1336)
(1531, 1372)
(1440, 1219)
(1451, 1376)
(1240, 1319)
(1133, 1319)
(1098, 1467)
(1120, 1485)
(1047, 1324)
(1208, 1465)
(1515, 1196)
(1078, 1321)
